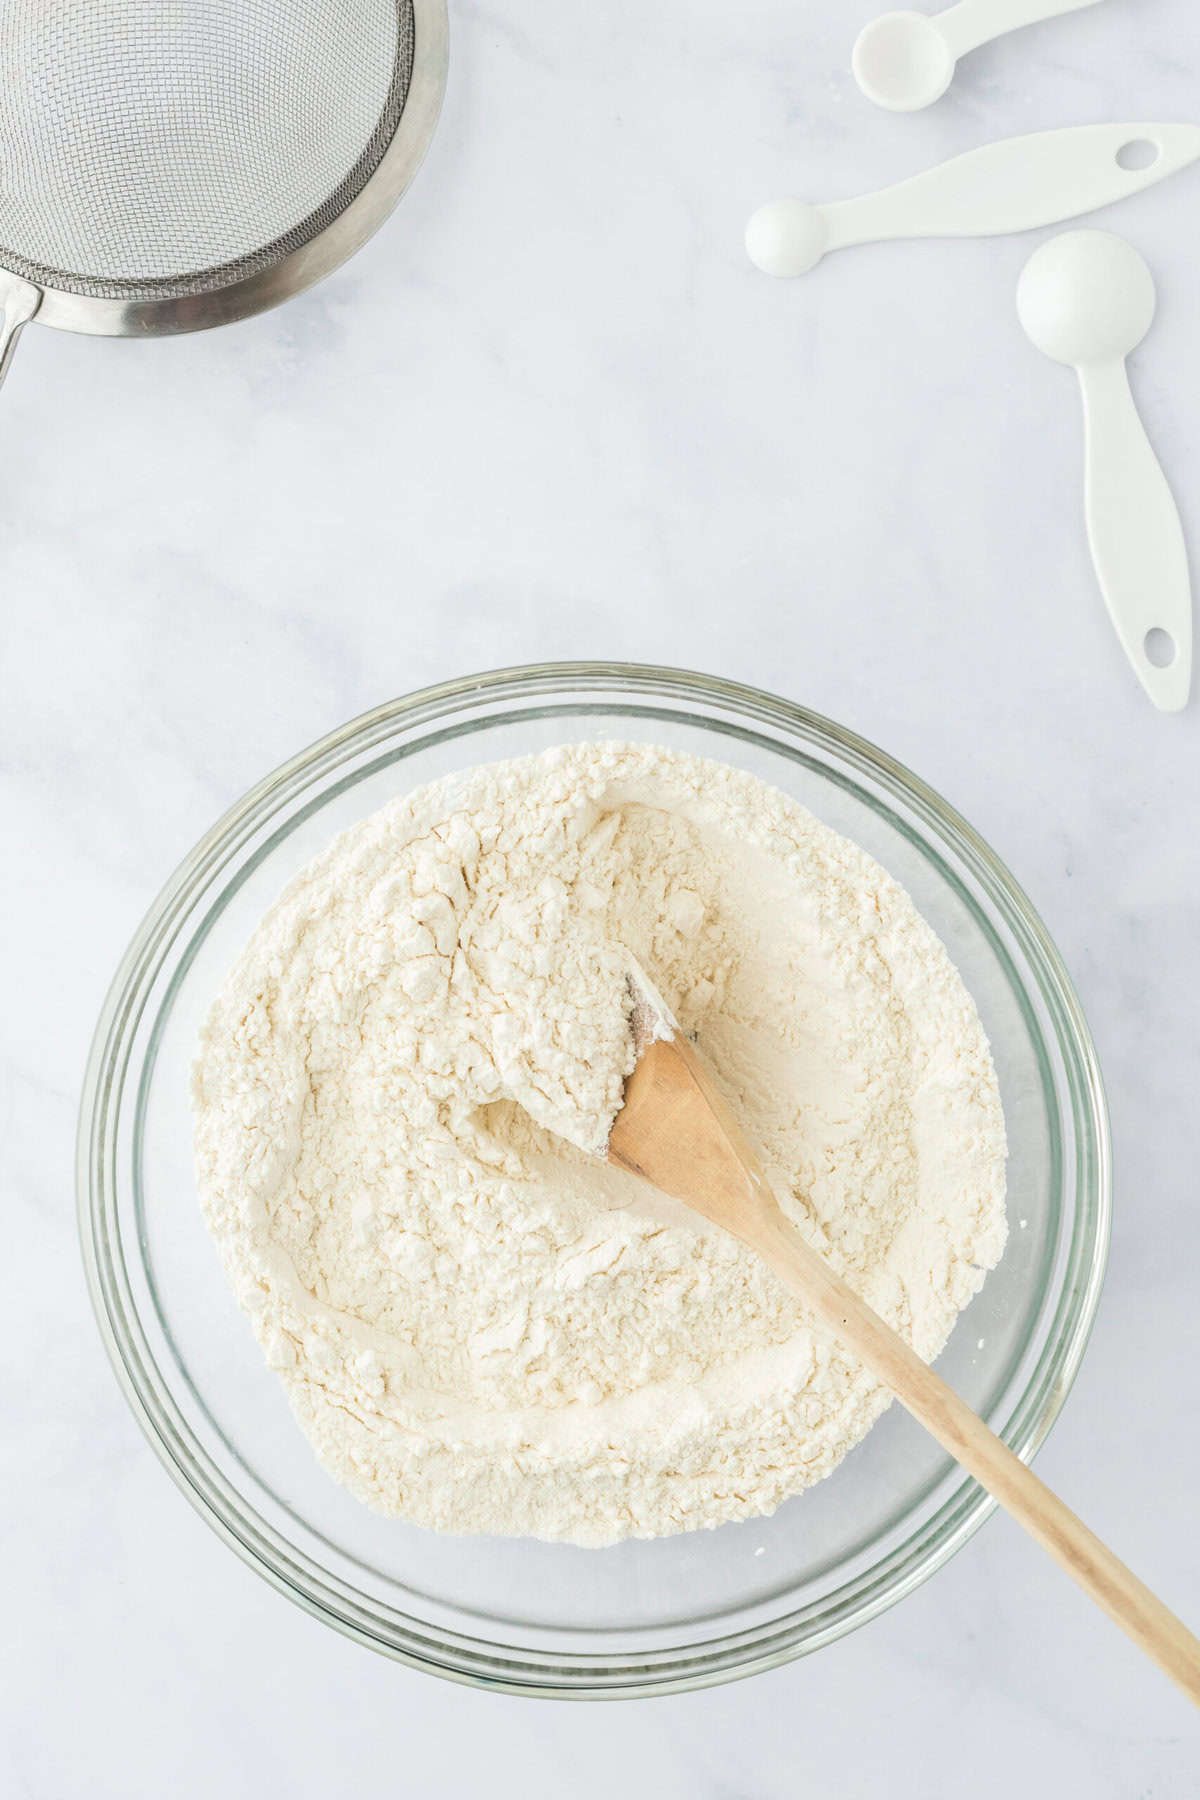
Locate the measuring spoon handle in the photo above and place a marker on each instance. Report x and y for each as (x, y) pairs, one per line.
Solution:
(975, 22)
(1135, 535)
(1013, 185)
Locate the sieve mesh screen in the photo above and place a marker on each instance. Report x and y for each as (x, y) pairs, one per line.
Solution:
(166, 148)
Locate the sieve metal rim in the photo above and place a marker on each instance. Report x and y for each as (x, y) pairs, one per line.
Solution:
(300, 268)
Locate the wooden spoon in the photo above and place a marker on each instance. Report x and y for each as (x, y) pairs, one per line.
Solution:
(675, 1131)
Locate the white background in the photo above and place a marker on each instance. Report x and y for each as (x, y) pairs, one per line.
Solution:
(551, 411)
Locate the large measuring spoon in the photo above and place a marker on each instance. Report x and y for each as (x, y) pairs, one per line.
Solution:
(905, 60)
(1087, 299)
(1012, 185)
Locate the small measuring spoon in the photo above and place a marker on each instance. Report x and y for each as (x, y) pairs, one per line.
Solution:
(905, 60)
(1012, 185)
(1087, 299)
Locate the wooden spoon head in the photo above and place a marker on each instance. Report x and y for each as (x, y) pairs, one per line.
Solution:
(676, 1132)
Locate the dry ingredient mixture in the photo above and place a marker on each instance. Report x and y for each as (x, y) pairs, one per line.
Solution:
(405, 1084)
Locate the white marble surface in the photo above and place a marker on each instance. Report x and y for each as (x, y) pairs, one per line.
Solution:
(551, 411)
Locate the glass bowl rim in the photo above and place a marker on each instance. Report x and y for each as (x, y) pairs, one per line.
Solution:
(479, 1663)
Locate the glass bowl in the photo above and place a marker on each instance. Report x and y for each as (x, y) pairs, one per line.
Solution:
(522, 1616)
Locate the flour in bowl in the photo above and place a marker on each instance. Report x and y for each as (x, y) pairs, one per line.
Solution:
(406, 1084)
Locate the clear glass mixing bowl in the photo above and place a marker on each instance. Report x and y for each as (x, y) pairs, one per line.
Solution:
(549, 1619)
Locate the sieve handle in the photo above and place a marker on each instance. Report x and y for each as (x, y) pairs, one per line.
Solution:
(19, 301)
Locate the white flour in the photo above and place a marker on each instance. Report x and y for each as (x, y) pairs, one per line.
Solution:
(480, 1326)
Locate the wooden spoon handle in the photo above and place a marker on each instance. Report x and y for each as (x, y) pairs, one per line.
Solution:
(676, 1131)
(1139, 1613)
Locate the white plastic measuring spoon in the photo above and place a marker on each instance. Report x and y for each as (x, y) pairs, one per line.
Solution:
(1087, 299)
(905, 60)
(1012, 185)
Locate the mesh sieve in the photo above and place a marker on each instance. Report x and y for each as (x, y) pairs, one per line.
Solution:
(165, 149)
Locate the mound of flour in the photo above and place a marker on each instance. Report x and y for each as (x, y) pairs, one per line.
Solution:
(403, 1086)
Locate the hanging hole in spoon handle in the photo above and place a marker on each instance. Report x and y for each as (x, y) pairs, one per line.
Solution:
(19, 301)
(1139, 153)
(1159, 647)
